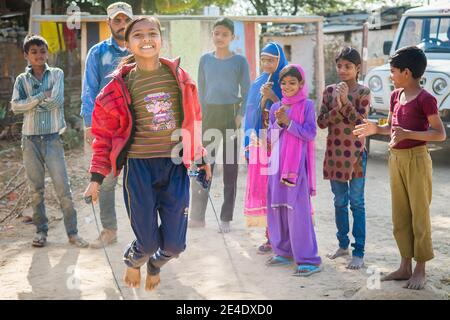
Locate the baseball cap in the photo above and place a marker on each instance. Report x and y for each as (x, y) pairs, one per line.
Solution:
(119, 7)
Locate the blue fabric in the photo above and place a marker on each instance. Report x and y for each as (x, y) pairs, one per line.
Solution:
(279, 261)
(102, 59)
(253, 112)
(353, 192)
(155, 187)
(39, 153)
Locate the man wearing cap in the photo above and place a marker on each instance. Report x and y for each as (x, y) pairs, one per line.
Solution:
(102, 59)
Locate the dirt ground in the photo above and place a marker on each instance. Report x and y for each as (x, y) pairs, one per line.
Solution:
(227, 267)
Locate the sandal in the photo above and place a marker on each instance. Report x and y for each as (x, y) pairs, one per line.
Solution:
(39, 240)
(305, 270)
(278, 261)
(265, 248)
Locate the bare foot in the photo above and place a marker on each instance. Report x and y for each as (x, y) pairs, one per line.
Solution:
(417, 281)
(398, 275)
(132, 277)
(356, 263)
(224, 227)
(152, 281)
(339, 253)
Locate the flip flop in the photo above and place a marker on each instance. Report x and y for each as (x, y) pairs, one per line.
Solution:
(278, 261)
(39, 240)
(310, 269)
(265, 248)
(27, 220)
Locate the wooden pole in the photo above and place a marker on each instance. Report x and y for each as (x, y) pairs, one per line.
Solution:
(35, 11)
(364, 50)
(320, 64)
(47, 6)
(83, 47)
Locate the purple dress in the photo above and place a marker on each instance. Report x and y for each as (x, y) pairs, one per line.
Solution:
(289, 219)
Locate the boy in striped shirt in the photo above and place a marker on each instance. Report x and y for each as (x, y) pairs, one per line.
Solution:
(39, 95)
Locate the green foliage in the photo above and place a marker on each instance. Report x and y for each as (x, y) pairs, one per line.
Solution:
(318, 7)
(292, 7)
(168, 6)
(260, 7)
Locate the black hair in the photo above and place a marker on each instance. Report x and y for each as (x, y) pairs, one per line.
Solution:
(130, 26)
(130, 58)
(290, 71)
(34, 40)
(226, 22)
(350, 54)
(410, 57)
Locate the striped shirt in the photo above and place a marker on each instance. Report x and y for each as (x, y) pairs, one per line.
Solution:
(42, 115)
(155, 98)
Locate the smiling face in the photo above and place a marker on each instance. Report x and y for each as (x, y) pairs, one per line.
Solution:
(145, 40)
(37, 55)
(347, 70)
(269, 64)
(117, 26)
(290, 86)
(222, 37)
(399, 78)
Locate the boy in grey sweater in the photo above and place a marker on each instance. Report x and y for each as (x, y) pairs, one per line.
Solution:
(223, 83)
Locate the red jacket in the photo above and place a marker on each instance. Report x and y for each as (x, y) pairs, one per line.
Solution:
(113, 126)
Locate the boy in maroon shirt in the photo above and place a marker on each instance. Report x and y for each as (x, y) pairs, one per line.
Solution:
(413, 121)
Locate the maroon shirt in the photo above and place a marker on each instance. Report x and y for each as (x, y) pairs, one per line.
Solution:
(412, 115)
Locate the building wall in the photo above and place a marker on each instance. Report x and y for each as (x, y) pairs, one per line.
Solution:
(190, 39)
(12, 60)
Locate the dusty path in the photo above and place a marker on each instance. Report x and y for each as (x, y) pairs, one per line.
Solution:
(214, 268)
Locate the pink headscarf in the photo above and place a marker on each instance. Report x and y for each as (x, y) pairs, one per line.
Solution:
(291, 151)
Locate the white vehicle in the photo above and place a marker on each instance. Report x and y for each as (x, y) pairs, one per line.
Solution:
(429, 28)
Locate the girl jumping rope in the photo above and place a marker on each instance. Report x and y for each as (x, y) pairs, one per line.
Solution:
(134, 119)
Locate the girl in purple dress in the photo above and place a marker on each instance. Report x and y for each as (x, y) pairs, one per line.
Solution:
(292, 129)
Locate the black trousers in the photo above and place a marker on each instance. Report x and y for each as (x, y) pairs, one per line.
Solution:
(219, 117)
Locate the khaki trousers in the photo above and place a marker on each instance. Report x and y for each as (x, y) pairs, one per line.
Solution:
(411, 189)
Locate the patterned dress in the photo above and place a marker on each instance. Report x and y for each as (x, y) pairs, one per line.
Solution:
(343, 156)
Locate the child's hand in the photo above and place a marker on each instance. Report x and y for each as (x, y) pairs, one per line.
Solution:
(338, 101)
(266, 91)
(398, 134)
(366, 129)
(48, 93)
(282, 117)
(342, 92)
(92, 191)
(207, 168)
(88, 136)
